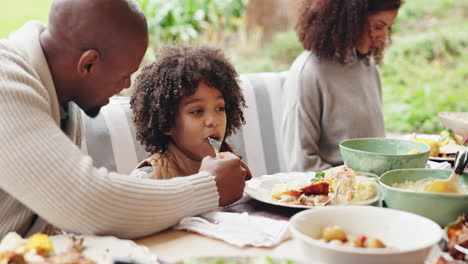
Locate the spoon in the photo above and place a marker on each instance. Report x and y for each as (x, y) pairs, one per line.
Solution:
(451, 184)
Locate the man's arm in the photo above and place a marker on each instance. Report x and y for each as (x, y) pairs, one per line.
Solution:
(47, 173)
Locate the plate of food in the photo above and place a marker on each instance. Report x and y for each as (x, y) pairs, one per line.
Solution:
(442, 159)
(456, 121)
(445, 146)
(456, 239)
(339, 186)
(40, 248)
(453, 248)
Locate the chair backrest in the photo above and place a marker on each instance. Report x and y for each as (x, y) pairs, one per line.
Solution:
(110, 137)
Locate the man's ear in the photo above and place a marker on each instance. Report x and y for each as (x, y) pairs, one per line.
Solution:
(88, 61)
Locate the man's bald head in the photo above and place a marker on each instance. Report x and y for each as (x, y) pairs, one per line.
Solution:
(92, 48)
(100, 24)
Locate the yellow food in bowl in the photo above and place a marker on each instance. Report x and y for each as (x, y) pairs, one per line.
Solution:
(434, 145)
(419, 186)
(414, 151)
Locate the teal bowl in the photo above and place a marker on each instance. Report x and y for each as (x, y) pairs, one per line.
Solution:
(440, 207)
(378, 155)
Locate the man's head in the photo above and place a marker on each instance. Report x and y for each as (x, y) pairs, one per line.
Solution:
(92, 48)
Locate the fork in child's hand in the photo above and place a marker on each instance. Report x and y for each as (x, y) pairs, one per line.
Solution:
(215, 144)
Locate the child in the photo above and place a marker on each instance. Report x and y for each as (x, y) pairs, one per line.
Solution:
(187, 95)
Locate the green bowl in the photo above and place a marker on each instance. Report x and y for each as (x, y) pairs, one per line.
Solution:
(378, 155)
(440, 207)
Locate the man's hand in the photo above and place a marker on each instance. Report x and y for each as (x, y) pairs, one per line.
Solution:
(229, 173)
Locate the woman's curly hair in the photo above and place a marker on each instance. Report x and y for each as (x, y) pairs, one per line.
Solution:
(333, 28)
(176, 74)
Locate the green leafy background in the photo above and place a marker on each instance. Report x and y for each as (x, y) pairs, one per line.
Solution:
(425, 69)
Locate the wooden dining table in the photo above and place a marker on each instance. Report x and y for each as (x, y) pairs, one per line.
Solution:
(173, 245)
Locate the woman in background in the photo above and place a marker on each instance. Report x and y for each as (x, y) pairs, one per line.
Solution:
(333, 89)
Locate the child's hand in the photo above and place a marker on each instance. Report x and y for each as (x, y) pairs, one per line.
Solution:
(230, 176)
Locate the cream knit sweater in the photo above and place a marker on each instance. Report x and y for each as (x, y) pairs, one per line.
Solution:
(43, 172)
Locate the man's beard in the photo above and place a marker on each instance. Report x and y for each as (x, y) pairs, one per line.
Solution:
(93, 112)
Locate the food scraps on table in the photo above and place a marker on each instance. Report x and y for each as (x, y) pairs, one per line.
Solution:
(39, 249)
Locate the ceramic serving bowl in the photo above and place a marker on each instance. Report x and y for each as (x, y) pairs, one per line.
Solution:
(409, 237)
(378, 155)
(440, 207)
(457, 121)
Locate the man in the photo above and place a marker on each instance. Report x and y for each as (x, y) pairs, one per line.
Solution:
(86, 54)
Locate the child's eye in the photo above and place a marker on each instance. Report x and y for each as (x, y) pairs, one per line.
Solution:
(196, 111)
(221, 109)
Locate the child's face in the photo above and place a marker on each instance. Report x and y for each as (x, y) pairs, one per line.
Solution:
(200, 116)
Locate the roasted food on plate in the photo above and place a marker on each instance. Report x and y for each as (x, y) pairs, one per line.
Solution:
(447, 146)
(457, 234)
(338, 186)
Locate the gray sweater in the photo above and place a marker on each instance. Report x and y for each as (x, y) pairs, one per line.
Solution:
(325, 103)
(43, 172)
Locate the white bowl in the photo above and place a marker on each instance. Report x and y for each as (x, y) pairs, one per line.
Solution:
(410, 236)
(457, 121)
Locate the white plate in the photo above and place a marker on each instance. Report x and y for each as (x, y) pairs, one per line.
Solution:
(260, 188)
(441, 159)
(106, 249)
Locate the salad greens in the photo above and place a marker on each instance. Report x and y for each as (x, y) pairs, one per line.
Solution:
(318, 177)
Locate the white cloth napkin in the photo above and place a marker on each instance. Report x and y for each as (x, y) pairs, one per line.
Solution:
(238, 229)
(438, 165)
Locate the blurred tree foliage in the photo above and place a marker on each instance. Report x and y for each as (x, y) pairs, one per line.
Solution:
(188, 21)
(425, 69)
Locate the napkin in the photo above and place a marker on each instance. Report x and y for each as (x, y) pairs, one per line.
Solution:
(438, 165)
(238, 229)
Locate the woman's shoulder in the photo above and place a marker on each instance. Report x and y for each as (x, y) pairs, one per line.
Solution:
(306, 69)
(309, 64)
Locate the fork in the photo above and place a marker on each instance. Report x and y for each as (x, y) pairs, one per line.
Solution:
(215, 144)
